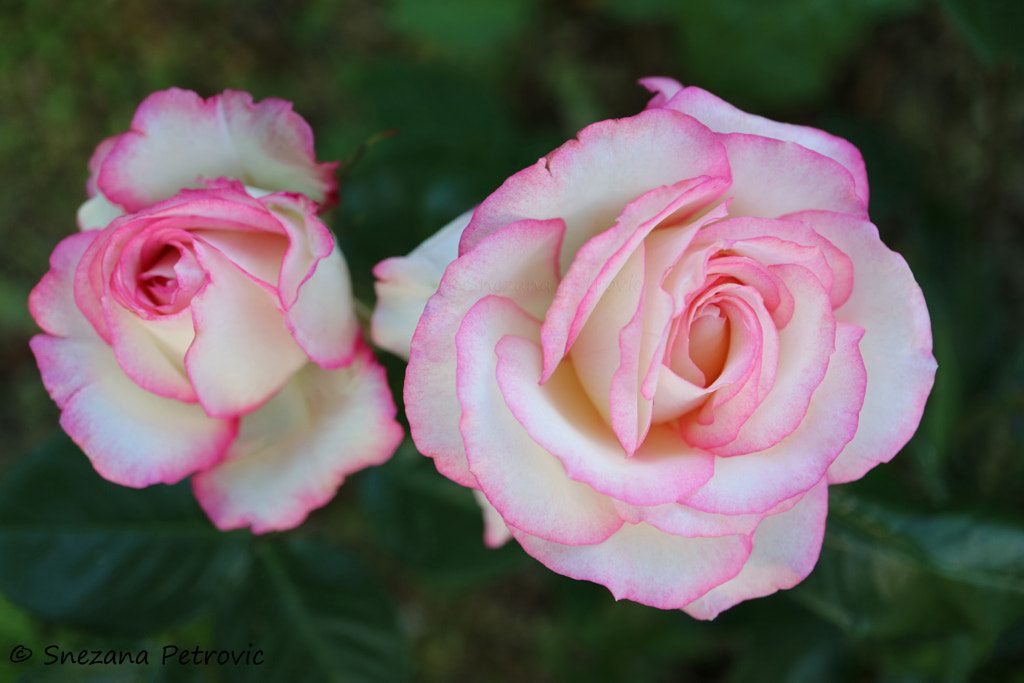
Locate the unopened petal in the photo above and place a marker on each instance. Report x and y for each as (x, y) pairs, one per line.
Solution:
(405, 283)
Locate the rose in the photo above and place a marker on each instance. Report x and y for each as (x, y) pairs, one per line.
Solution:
(652, 351)
(212, 332)
(178, 140)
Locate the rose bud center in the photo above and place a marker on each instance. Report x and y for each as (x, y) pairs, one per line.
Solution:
(164, 278)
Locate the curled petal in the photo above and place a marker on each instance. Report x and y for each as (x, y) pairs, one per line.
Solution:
(722, 117)
(521, 479)
(805, 346)
(243, 353)
(519, 263)
(776, 242)
(598, 263)
(772, 178)
(588, 182)
(557, 416)
(314, 287)
(747, 376)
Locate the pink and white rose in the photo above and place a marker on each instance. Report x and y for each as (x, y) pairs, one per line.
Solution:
(211, 332)
(651, 352)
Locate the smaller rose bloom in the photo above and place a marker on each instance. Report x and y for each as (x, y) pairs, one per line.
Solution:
(653, 351)
(180, 140)
(213, 334)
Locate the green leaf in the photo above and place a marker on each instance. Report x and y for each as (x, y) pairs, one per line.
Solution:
(314, 614)
(963, 547)
(429, 522)
(928, 594)
(78, 549)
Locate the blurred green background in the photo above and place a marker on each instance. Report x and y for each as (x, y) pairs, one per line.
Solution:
(922, 574)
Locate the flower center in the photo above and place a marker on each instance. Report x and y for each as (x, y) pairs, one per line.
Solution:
(709, 342)
(159, 283)
(167, 279)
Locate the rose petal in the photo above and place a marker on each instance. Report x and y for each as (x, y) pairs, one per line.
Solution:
(772, 242)
(496, 532)
(598, 262)
(177, 137)
(523, 481)
(404, 284)
(772, 178)
(151, 352)
(641, 563)
(259, 253)
(99, 155)
(557, 416)
(97, 213)
(604, 341)
(52, 302)
(133, 437)
(243, 352)
(756, 482)
(746, 378)
(315, 287)
(663, 89)
(293, 453)
(786, 548)
(588, 182)
(722, 117)
(805, 345)
(519, 262)
(897, 344)
(681, 520)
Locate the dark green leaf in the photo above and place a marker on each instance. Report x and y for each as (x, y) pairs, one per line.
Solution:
(313, 613)
(927, 594)
(963, 547)
(77, 549)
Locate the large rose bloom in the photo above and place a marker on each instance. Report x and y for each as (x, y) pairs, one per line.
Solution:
(211, 332)
(653, 350)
